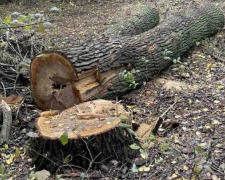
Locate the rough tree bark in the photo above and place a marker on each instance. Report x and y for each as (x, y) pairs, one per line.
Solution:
(143, 19)
(97, 65)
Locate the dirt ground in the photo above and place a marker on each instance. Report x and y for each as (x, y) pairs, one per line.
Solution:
(189, 145)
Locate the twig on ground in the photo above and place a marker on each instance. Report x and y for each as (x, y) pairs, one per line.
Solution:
(192, 169)
(7, 76)
(7, 122)
(18, 110)
(164, 113)
(3, 86)
(7, 88)
(8, 65)
(218, 58)
(149, 178)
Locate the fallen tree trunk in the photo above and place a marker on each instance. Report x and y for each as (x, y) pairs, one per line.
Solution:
(143, 19)
(92, 70)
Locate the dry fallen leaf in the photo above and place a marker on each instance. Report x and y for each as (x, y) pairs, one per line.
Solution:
(12, 99)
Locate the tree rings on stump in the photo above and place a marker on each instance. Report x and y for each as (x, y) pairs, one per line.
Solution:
(52, 81)
(93, 131)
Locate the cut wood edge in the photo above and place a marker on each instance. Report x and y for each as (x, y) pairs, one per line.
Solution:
(55, 85)
(144, 130)
(52, 78)
(80, 121)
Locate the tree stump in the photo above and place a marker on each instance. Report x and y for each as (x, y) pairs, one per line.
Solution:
(94, 135)
(91, 70)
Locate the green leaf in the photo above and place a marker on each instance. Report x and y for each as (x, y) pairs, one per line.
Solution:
(205, 155)
(7, 20)
(28, 28)
(140, 169)
(131, 131)
(3, 44)
(129, 77)
(17, 153)
(12, 24)
(160, 160)
(145, 145)
(22, 18)
(198, 169)
(134, 146)
(133, 71)
(144, 154)
(2, 168)
(41, 28)
(124, 125)
(66, 160)
(163, 147)
(123, 118)
(23, 65)
(198, 150)
(64, 138)
(134, 168)
(152, 137)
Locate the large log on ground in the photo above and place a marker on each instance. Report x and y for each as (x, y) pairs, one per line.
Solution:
(94, 135)
(143, 19)
(92, 70)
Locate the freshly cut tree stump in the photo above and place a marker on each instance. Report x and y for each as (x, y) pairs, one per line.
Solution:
(91, 71)
(143, 19)
(93, 131)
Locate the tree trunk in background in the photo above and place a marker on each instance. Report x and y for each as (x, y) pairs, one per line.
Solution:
(143, 19)
(98, 64)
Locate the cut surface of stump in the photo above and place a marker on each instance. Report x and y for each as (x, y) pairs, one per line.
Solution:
(93, 130)
(83, 120)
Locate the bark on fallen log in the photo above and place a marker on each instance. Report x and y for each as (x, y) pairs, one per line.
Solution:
(143, 19)
(92, 70)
